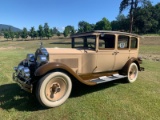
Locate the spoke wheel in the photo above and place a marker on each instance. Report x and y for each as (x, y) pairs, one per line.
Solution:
(53, 89)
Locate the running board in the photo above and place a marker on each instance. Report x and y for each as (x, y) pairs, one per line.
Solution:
(104, 79)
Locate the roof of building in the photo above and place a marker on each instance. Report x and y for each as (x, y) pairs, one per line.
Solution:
(98, 32)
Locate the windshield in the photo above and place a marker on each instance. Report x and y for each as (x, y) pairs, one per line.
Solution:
(86, 42)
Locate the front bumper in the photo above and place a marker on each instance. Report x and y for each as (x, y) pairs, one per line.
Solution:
(22, 84)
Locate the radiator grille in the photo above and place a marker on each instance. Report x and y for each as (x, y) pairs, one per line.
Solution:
(70, 62)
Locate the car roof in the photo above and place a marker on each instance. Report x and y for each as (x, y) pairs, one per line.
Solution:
(98, 32)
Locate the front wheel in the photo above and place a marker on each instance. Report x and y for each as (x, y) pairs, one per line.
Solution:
(53, 89)
(132, 73)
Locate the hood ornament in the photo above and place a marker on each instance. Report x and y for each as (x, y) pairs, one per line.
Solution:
(41, 45)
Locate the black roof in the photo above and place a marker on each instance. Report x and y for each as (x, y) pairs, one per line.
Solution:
(97, 32)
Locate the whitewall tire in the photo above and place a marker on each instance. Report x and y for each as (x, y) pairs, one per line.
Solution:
(132, 73)
(54, 89)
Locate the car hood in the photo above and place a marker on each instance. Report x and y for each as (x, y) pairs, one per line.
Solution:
(64, 51)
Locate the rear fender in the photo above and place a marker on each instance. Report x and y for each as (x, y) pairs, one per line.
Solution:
(125, 68)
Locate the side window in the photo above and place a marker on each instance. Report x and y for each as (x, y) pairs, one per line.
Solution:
(134, 42)
(90, 42)
(123, 42)
(107, 41)
(78, 42)
(86, 42)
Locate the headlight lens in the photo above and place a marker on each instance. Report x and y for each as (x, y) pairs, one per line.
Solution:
(20, 68)
(44, 52)
(41, 59)
(26, 72)
(30, 57)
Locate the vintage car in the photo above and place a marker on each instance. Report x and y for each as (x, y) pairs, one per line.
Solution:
(94, 57)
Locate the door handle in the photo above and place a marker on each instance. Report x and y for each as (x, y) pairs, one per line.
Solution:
(115, 53)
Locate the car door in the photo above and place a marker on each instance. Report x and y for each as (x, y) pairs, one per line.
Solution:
(122, 51)
(105, 53)
(86, 44)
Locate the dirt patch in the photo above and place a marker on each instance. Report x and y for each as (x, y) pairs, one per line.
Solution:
(150, 57)
(10, 48)
(150, 40)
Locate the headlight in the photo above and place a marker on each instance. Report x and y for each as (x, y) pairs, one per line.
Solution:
(41, 59)
(25, 72)
(30, 57)
(19, 69)
(44, 52)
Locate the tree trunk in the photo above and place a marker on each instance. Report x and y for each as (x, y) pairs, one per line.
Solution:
(131, 23)
(131, 16)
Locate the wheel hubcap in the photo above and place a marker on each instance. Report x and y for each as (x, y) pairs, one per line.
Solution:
(132, 72)
(55, 89)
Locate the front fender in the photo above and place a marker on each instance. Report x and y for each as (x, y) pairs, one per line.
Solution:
(42, 70)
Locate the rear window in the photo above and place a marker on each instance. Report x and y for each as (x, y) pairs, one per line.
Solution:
(134, 42)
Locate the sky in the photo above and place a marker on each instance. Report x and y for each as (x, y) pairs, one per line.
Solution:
(57, 13)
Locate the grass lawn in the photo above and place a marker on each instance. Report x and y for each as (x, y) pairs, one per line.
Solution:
(113, 100)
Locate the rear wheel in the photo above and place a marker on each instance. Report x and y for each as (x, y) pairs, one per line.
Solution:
(132, 73)
(54, 89)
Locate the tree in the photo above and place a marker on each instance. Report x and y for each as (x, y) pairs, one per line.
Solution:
(132, 4)
(47, 31)
(6, 35)
(156, 16)
(41, 33)
(24, 33)
(35, 34)
(104, 24)
(2, 30)
(120, 23)
(65, 33)
(85, 27)
(12, 35)
(58, 34)
(68, 30)
(1, 34)
(55, 30)
(144, 19)
(32, 32)
(51, 32)
(17, 35)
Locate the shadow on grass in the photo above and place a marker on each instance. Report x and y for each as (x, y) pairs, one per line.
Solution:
(59, 43)
(80, 89)
(11, 96)
(5, 40)
(22, 40)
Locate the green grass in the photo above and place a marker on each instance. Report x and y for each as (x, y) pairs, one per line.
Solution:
(114, 100)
